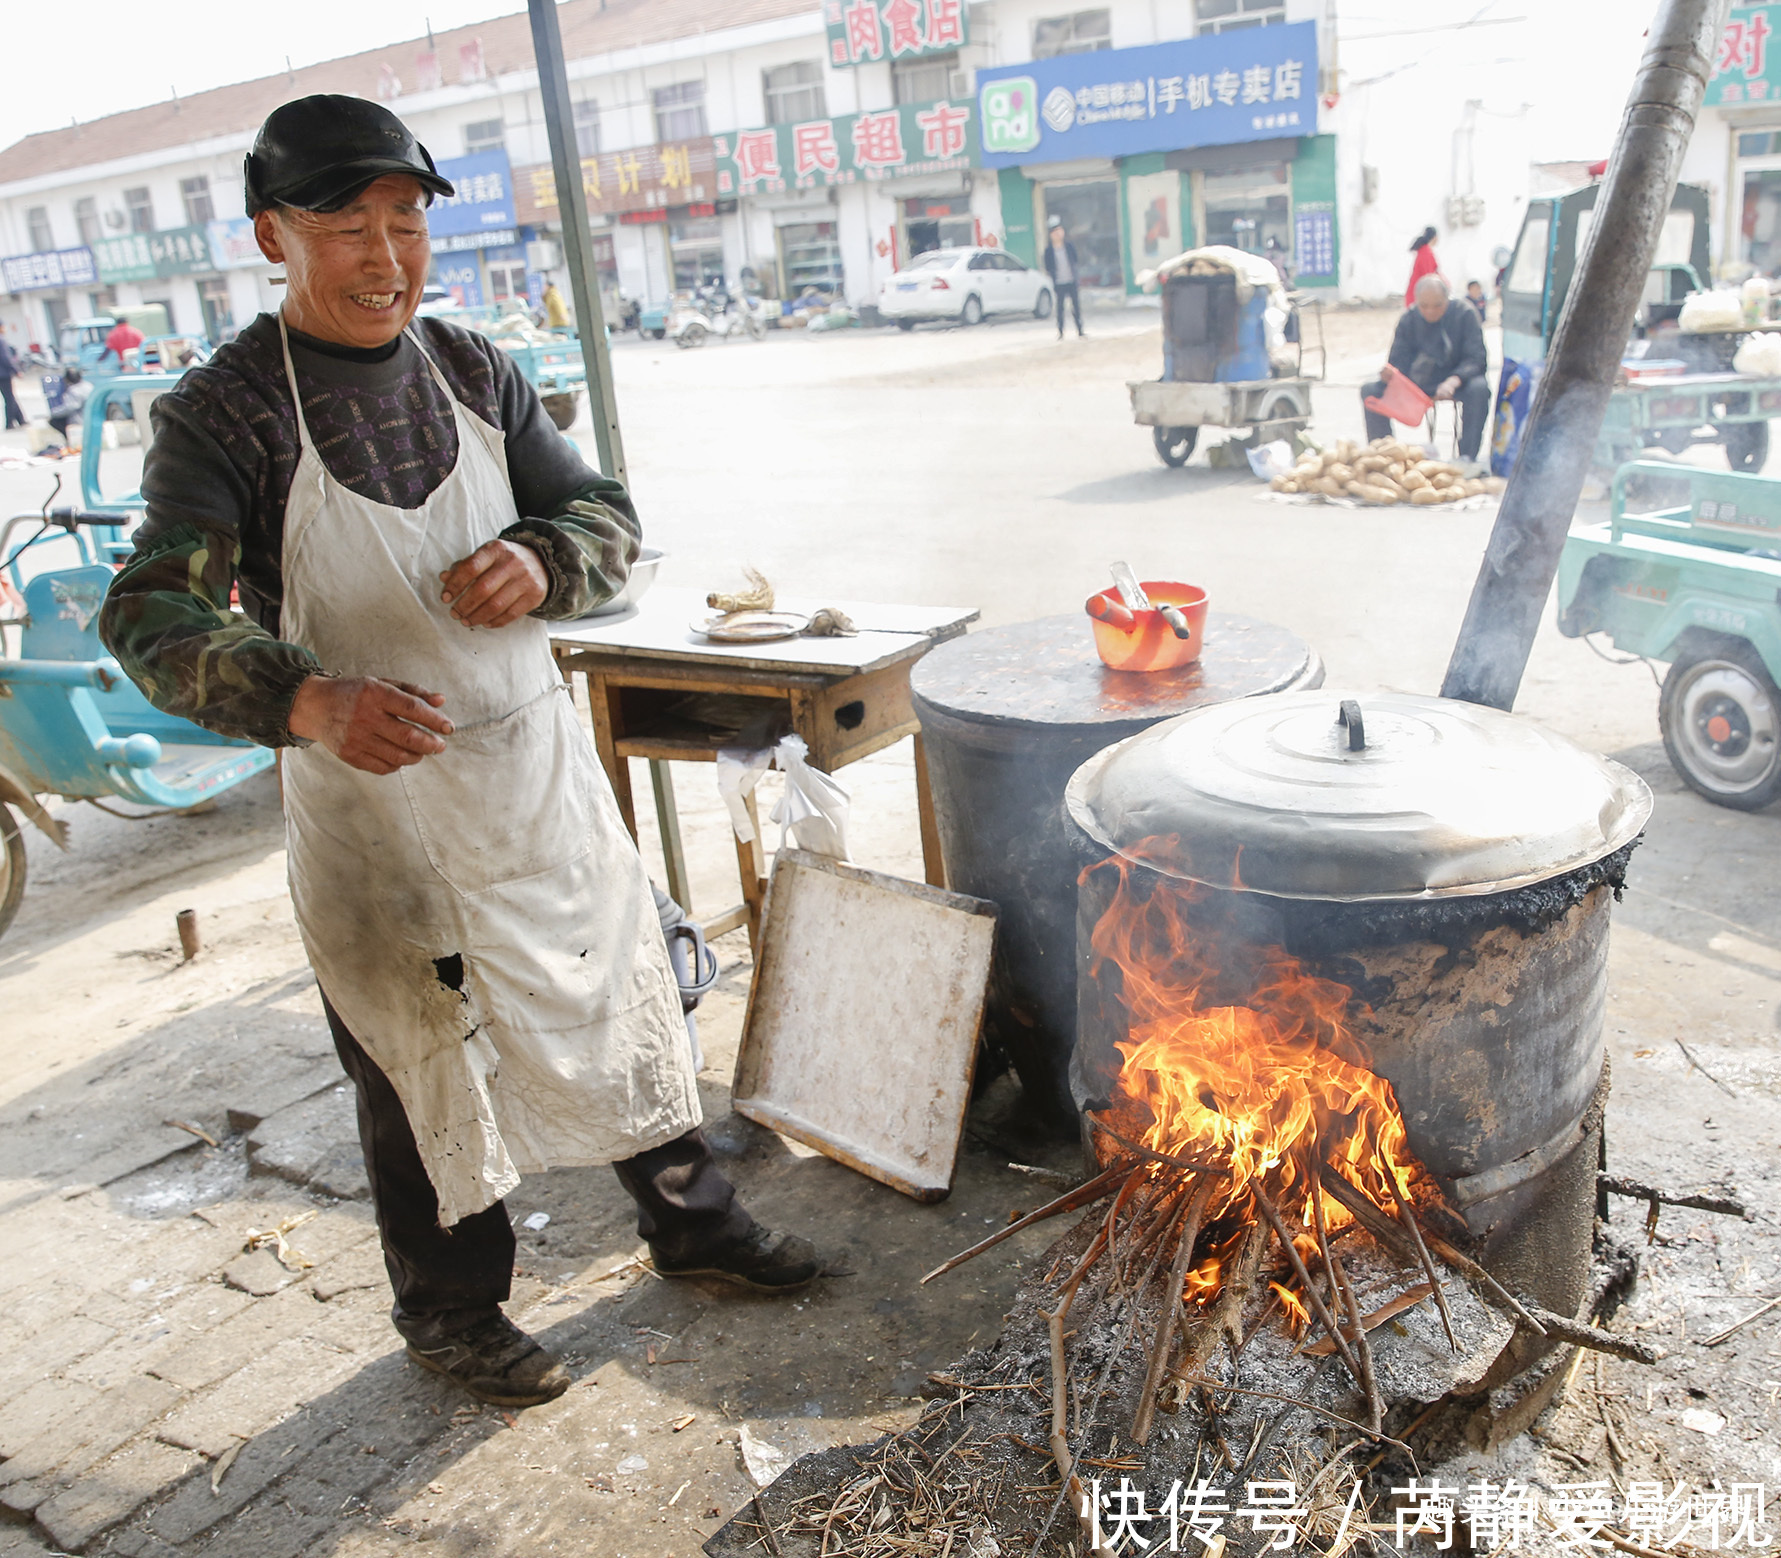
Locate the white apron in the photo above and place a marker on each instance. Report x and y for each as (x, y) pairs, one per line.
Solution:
(481, 920)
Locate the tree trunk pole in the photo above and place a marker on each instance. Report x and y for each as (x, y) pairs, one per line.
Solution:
(1572, 398)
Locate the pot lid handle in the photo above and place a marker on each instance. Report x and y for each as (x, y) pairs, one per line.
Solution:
(1349, 716)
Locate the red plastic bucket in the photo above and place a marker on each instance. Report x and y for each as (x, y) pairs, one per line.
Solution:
(1402, 400)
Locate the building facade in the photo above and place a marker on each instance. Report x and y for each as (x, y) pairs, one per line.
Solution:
(811, 145)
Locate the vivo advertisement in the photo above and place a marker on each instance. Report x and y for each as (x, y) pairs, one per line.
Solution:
(1256, 84)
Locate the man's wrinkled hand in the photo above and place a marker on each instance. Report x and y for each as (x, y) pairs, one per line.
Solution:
(368, 723)
(1447, 388)
(496, 584)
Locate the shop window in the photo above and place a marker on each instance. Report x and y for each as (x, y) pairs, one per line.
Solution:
(925, 80)
(1212, 16)
(141, 208)
(1090, 214)
(1081, 33)
(587, 127)
(680, 111)
(86, 218)
(931, 223)
(507, 279)
(809, 256)
(1245, 207)
(37, 221)
(1762, 221)
(794, 93)
(484, 135)
(695, 244)
(219, 317)
(195, 192)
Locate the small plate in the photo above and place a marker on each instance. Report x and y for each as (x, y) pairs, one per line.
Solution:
(750, 627)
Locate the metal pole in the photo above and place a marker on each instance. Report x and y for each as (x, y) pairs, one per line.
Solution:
(1522, 557)
(578, 243)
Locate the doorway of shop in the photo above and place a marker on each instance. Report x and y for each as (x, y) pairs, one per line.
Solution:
(938, 222)
(1090, 214)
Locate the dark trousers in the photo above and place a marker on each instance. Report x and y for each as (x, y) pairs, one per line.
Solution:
(1473, 396)
(1067, 290)
(684, 1205)
(14, 417)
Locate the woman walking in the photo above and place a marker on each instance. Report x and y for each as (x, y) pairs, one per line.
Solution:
(1425, 263)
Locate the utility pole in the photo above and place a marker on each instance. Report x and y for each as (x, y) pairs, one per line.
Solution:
(578, 243)
(1572, 398)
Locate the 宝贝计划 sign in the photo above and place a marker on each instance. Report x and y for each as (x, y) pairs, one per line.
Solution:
(1258, 83)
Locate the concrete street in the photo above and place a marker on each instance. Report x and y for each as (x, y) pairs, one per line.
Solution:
(165, 1391)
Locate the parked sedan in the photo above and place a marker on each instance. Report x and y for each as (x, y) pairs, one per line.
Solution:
(964, 285)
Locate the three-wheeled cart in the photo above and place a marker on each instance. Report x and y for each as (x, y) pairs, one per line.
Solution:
(71, 723)
(1217, 370)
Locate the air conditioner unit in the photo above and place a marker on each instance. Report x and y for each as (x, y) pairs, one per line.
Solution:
(115, 220)
(1465, 211)
(1369, 185)
(542, 255)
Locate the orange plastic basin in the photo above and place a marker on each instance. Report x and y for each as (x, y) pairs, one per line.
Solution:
(1403, 400)
(1150, 644)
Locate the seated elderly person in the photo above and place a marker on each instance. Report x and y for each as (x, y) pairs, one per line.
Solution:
(1439, 346)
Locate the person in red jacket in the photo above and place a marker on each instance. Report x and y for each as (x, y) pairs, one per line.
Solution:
(1425, 264)
(124, 337)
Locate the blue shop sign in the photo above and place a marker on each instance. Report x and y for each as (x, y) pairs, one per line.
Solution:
(483, 199)
(1255, 84)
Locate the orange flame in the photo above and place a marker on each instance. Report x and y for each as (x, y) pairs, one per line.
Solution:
(1297, 1315)
(1202, 1281)
(1267, 1085)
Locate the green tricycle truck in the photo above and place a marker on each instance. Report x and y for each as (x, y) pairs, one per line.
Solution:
(1687, 570)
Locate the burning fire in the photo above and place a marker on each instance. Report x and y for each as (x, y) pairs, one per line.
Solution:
(1270, 1085)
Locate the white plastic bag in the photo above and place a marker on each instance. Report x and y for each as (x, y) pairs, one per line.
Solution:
(1705, 313)
(739, 770)
(1760, 355)
(1271, 459)
(813, 810)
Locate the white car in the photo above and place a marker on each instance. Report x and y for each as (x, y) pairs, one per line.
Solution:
(964, 285)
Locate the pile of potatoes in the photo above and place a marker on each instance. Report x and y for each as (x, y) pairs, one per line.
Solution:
(1384, 471)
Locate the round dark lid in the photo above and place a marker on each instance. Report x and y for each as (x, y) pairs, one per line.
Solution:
(1046, 673)
(1357, 796)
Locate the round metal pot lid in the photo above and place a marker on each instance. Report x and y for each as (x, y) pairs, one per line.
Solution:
(1357, 796)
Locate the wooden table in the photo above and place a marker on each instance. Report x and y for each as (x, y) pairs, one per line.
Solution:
(662, 692)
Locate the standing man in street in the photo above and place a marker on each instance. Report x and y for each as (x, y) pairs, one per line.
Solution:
(556, 311)
(403, 521)
(9, 367)
(1439, 346)
(123, 337)
(1060, 266)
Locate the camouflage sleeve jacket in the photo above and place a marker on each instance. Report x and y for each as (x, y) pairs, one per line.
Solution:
(219, 470)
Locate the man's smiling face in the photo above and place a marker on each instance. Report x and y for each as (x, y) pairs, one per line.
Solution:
(353, 276)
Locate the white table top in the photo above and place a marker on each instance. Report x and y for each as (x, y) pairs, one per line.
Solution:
(659, 627)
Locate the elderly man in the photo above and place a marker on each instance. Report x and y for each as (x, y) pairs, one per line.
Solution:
(402, 520)
(1439, 345)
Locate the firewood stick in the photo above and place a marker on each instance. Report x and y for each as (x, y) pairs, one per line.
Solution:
(1343, 1292)
(1389, 1234)
(1270, 1395)
(1070, 1201)
(1634, 1191)
(1158, 1157)
(1159, 1348)
(1312, 1296)
(1408, 1219)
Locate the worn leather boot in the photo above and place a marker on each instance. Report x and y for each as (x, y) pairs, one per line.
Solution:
(493, 1359)
(765, 1261)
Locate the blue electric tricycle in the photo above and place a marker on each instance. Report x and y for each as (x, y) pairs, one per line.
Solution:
(71, 723)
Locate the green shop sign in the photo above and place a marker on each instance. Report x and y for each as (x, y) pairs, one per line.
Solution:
(915, 138)
(1747, 64)
(179, 251)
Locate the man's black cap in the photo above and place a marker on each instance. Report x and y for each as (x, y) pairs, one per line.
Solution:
(317, 153)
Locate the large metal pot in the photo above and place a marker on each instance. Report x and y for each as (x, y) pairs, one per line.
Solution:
(1453, 866)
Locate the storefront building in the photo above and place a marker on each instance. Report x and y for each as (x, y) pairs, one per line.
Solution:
(1143, 152)
(1736, 148)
